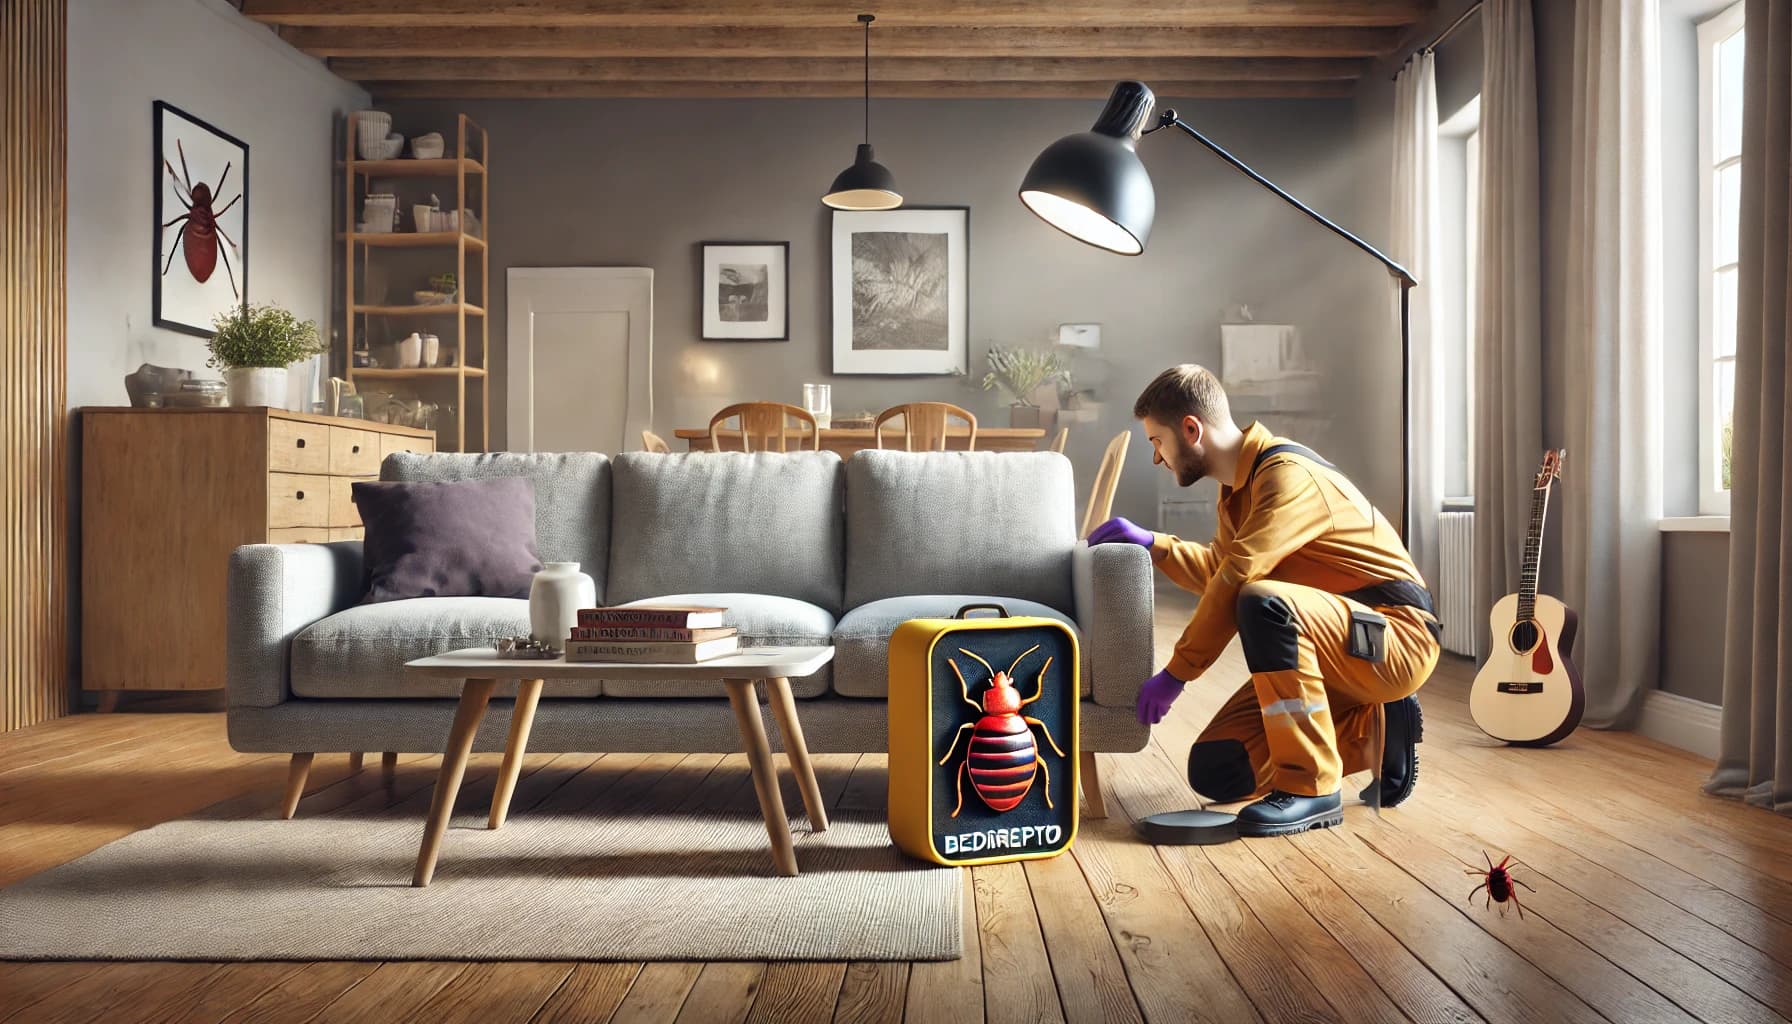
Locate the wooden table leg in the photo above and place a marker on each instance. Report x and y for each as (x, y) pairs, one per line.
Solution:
(474, 696)
(528, 693)
(797, 749)
(765, 772)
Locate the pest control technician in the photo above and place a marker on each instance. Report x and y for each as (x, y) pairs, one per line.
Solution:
(1334, 619)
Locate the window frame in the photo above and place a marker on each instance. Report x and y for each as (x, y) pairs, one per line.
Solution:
(1714, 498)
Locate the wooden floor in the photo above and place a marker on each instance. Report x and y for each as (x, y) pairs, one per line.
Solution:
(1653, 902)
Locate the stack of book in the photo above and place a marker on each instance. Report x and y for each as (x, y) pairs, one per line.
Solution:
(652, 634)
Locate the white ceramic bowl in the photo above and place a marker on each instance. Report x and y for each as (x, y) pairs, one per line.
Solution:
(427, 147)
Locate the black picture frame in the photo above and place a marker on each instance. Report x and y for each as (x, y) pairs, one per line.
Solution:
(712, 326)
(179, 313)
(846, 359)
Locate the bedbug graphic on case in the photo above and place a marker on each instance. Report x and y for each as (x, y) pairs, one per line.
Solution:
(1002, 758)
(983, 718)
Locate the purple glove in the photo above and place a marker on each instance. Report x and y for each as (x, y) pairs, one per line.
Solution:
(1158, 693)
(1120, 531)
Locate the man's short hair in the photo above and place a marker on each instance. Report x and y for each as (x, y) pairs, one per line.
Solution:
(1186, 390)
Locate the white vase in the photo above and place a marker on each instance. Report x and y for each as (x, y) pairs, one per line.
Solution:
(257, 385)
(557, 593)
(410, 351)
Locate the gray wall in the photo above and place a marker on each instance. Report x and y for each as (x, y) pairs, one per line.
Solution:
(206, 59)
(642, 182)
(1694, 577)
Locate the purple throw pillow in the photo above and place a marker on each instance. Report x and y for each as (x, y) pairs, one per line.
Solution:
(464, 538)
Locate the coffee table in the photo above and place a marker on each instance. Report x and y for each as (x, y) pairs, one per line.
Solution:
(483, 669)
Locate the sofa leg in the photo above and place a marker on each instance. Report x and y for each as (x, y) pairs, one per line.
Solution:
(296, 773)
(389, 763)
(1093, 804)
(355, 761)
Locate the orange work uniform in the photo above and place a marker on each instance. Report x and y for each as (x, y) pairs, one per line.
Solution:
(1331, 612)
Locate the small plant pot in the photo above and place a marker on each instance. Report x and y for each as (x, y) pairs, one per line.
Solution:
(257, 385)
(1026, 416)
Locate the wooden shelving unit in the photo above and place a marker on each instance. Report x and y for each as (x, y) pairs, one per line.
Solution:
(471, 333)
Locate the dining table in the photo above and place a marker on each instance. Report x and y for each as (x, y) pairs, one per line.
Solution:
(843, 441)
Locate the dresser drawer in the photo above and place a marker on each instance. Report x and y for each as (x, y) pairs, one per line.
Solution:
(354, 452)
(343, 512)
(296, 499)
(390, 443)
(347, 533)
(299, 535)
(298, 447)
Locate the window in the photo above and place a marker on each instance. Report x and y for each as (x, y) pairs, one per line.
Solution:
(1459, 196)
(1720, 189)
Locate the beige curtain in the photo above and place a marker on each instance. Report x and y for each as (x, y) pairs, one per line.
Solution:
(1415, 245)
(1755, 758)
(1508, 348)
(1612, 339)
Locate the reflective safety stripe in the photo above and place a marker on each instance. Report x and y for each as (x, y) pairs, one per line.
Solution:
(1292, 706)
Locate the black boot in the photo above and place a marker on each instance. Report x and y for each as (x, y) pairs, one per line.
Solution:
(1400, 753)
(1280, 814)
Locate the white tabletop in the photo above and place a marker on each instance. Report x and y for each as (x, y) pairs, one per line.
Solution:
(749, 663)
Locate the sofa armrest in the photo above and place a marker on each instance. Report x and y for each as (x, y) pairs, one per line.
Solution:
(1114, 609)
(275, 591)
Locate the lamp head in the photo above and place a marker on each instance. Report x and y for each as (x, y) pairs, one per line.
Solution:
(866, 185)
(1092, 185)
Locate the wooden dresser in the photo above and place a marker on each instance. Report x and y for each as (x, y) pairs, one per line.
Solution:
(167, 494)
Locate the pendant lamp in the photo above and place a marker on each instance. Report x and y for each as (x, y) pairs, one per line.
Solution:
(867, 184)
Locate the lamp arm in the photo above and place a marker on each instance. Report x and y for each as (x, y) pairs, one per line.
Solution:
(1168, 119)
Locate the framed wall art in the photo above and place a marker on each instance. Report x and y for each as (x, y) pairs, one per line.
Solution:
(201, 225)
(746, 291)
(901, 289)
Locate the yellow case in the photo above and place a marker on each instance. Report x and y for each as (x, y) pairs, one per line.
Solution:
(925, 702)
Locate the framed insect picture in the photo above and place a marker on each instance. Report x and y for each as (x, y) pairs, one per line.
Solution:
(201, 240)
(746, 291)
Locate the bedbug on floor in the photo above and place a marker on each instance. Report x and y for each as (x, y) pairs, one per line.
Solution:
(1498, 881)
(1002, 747)
(203, 237)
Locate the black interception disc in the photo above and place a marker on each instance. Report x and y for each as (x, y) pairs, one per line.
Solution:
(1189, 828)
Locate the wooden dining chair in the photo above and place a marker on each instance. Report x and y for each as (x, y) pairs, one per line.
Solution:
(1107, 480)
(654, 443)
(764, 426)
(1061, 440)
(924, 425)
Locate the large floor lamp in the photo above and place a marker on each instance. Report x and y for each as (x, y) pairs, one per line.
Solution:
(1093, 187)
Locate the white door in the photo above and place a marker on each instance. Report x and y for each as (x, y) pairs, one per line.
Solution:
(580, 358)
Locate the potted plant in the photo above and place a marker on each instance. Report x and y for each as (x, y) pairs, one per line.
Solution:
(1021, 372)
(253, 345)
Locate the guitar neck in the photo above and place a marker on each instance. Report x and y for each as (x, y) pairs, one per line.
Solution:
(1533, 555)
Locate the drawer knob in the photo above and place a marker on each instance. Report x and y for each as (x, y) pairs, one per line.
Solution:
(301, 442)
(355, 449)
(301, 495)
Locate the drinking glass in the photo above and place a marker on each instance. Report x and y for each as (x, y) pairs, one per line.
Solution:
(818, 399)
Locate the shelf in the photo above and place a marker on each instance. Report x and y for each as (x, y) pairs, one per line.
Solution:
(415, 239)
(439, 309)
(393, 373)
(446, 167)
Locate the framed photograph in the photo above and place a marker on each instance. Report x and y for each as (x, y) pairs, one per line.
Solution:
(746, 291)
(201, 225)
(901, 287)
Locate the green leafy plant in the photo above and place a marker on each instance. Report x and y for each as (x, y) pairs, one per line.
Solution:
(444, 283)
(261, 336)
(1021, 371)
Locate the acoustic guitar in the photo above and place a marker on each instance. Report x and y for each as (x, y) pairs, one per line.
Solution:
(1528, 692)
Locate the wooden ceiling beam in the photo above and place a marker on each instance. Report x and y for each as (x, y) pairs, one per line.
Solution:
(816, 13)
(835, 69)
(738, 89)
(713, 42)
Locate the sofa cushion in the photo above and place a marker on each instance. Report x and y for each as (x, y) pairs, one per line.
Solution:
(862, 639)
(454, 538)
(360, 653)
(763, 621)
(959, 522)
(572, 497)
(766, 523)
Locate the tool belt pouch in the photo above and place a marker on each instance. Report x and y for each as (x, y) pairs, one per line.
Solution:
(981, 784)
(1368, 635)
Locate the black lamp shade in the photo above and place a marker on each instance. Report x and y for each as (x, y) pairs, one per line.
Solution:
(1092, 185)
(866, 185)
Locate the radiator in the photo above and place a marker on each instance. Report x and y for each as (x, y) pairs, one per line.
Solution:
(1456, 582)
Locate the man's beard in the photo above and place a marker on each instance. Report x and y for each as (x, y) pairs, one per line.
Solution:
(1190, 466)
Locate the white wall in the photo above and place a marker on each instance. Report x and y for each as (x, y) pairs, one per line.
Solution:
(205, 58)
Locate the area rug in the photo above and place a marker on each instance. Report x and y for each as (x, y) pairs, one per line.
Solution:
(621, 857)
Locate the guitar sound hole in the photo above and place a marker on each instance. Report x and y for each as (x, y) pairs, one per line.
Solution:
(1524, 637)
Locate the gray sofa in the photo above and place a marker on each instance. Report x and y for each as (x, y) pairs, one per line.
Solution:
(802, 548)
